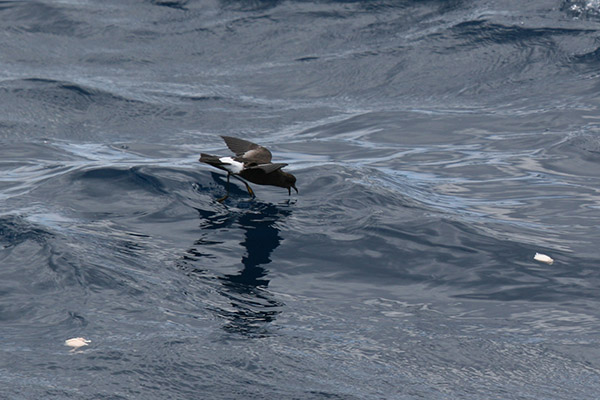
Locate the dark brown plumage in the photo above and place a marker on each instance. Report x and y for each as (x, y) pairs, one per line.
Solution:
(252, 162)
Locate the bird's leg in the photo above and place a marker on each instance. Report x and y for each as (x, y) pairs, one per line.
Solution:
(222, 199)
(250, 191)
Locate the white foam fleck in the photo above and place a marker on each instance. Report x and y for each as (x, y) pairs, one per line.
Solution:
(77, 342)
(543, 258)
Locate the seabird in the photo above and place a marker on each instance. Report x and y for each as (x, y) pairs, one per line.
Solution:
(252, 162)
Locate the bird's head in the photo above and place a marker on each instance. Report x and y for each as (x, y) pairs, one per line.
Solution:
(289, 182)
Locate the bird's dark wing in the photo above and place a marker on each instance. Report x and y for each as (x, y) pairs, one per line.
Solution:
(248, 151)
(267, 168)
(215, 161)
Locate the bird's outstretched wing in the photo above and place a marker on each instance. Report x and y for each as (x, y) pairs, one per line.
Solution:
(267, 168)
(248, 152)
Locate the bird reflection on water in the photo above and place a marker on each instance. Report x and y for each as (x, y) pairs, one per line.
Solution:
(244, 298)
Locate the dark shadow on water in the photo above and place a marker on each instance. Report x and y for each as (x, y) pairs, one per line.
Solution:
(261, 238)
(247, 303)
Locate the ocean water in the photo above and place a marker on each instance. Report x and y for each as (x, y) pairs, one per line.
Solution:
(438, 146)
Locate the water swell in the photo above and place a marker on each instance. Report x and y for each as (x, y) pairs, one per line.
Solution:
(438, 146)
(15, 230)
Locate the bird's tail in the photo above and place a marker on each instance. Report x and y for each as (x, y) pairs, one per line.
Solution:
(209, 159)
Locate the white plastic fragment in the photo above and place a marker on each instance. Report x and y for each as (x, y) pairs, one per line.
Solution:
(77, 342)
(543, 258)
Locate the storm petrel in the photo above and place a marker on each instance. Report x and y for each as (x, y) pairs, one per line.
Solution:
(252, 162)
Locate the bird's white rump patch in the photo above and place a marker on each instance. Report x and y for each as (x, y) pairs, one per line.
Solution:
(235, 167)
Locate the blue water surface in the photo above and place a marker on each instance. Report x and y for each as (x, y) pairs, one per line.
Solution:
(438, 146)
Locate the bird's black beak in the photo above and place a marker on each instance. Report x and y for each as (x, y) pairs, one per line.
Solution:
(290, 190)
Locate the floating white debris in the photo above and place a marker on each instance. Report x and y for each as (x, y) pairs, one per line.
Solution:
(77, 342)
(543, 258)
